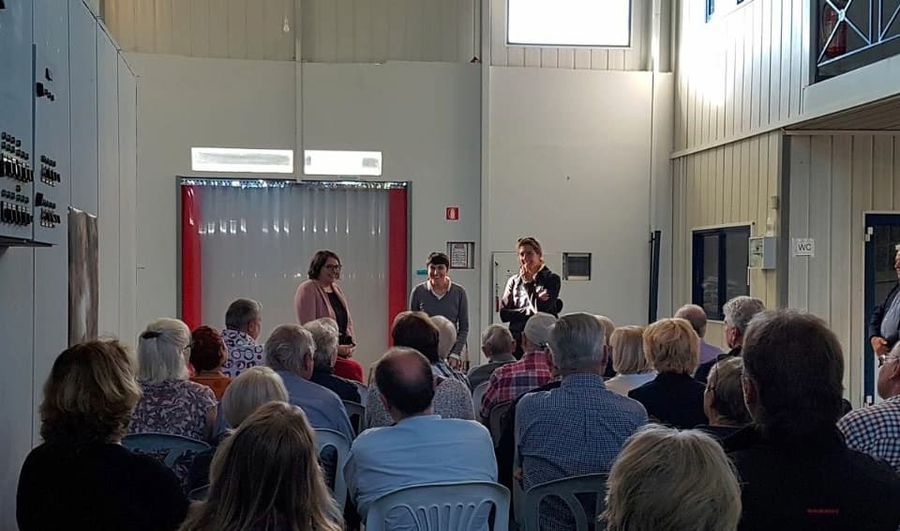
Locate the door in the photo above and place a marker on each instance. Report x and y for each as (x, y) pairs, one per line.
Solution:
(882, 235)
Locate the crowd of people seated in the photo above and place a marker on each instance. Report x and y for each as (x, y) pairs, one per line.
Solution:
(756, 438)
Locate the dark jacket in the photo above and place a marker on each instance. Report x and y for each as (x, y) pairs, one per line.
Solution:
(878, 316)
(345, 389)
(672, 399)
(506, 444)
(818, 486)
(702, 372)
(520, 300)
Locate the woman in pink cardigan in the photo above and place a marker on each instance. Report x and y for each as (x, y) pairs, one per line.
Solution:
(321, 296)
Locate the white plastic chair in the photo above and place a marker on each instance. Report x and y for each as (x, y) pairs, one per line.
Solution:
(567, 489)
(357, 414)
(329, 438)
(477, 395)
(461, 506)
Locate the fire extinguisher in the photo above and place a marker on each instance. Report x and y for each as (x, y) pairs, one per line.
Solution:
(837, 46)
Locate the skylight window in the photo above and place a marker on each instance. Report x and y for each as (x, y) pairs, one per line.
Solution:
(593, 23)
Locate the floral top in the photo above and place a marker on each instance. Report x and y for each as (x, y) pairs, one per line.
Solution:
(179, 407)
(243, 352)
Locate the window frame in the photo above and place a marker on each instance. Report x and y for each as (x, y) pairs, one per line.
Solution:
(511, 44)
(697, 259)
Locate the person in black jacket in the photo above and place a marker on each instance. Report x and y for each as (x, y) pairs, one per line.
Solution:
(533, 289)
(738, 313)
(884, 324)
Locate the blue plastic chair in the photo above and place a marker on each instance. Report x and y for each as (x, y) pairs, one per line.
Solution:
(462, 506)
(333, 439)
(477, 395)
(357, 414)
(171, 448)
(567, 490)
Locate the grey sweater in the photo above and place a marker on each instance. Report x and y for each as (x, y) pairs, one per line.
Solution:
(453, 305)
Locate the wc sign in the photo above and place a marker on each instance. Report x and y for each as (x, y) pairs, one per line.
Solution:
(803, 247)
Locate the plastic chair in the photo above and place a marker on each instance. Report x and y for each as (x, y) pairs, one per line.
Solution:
(333, 439)
(495, 419)
(567, 490)
(199, 494)
(461, 506)
(357, 414)
(363, 391)
(477, 395)
(171, 448)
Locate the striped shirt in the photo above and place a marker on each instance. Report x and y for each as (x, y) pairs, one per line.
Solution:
(875, 430)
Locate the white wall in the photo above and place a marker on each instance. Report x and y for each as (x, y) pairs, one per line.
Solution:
(569, 163)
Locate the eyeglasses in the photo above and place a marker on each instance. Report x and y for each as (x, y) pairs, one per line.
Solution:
(884, 358)
(333, 267)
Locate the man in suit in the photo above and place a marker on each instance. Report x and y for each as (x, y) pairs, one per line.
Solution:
(884, 325)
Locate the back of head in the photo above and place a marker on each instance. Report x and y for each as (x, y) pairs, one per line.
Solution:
(796, 365)
(628, 350)
(241, 313)
(162, 351)
(608, 327)
(288, 348)
(415, 330)
(208, 351)
(325, 338)
(251, 389)
(739, 311)
(671, 345)
(497, 340)
(266, 475)
(672, 480)
(89, 395)
(446, 335)
(537, 330)
(695, 315)
(724, 382)
(404, 378)
(576, 342)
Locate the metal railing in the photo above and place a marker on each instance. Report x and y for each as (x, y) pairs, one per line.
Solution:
(849, 34)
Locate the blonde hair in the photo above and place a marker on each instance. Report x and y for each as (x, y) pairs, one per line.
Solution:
(446, 335)
(678, 481)
(608, 328)
(628, 350)
(672, 345)
(251, 389)
(90, 394)
(163, 351)
(267, 476)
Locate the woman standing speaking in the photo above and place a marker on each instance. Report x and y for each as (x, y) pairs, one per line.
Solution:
(439, 296)
(534, 289)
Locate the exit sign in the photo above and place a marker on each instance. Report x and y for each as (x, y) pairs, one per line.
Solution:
(452, 213)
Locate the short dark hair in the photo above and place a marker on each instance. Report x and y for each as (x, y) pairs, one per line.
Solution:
(318, 262)
(241, 313)
(415, 330)
(437, 259)
(797, 365)
(409, 389)
(207, 349)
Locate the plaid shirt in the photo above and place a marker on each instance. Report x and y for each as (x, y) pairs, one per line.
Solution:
(875, 430)
(513, 380)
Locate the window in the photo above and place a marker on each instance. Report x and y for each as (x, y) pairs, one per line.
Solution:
(569, 23)
(341, 163)
(241, 160)
(710, 9)
(576, 266)
(721, 259)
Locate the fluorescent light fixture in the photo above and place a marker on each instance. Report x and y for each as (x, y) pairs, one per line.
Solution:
(330, 162)
(596, 23)
(242, 160)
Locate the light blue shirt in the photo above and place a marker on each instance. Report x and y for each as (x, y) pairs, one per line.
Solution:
(420, 450)
(322, 406)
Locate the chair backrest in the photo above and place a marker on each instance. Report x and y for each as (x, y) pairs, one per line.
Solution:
(171, 448)
(333, 439)
(495, 420)
(199, 494)
(567, 490)
(477, 395)
(357, 414)
(461, 506)
(363, 391)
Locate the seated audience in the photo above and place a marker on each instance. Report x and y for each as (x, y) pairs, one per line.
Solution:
(673, 397)
(421, 448)
(723, 401)
(265, 476)
(344, 365)
(170, 402)
(696, 315)
(795, 469)
(875, 430)
(608, 328)
(446, 342)
(628, 360)
(532, 371)
(452, 398)
(289, 351)
(253, 388)
(738, 313)
(325, 337)
(243, 324)
(80, 477)
(580, 427)
(498, 345)
(672, 480)
(208, 353)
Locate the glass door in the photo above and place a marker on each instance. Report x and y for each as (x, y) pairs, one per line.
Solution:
(882, 235)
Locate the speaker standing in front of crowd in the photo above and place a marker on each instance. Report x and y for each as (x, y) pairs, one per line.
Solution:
(533, 289)
(440, 296)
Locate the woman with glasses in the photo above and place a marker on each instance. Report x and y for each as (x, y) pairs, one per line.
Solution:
(321, 296)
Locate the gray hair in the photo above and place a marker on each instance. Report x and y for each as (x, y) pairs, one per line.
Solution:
(241, 313)
(577, 341)
(325, 337)
(252, 388)
(288, 347)
(498, 340)
(163, 351)
(739, 311)
(446, 335)
(695, 315)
